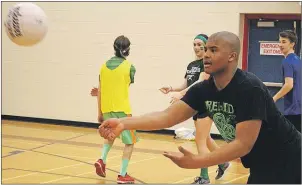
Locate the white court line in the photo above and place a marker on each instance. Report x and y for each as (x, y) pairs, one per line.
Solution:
(236, 179)
(93, 172)
(54, 169)
(190, 178)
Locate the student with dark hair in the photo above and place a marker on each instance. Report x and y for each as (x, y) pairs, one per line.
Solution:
(113, 102)
(291, 71)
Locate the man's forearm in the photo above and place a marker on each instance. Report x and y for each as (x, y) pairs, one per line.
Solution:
(99, 102)
(202, 77)
(180, 88)
(151, 121)
(283, 91)
(173, 115)
(183, 92)
(224, 154)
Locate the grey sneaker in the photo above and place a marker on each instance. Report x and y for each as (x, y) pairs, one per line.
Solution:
(221, 170)
(200, 180)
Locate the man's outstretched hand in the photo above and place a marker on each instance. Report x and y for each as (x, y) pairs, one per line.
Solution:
(111, 128)
(183, 159)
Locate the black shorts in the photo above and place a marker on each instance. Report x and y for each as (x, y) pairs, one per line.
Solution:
(199, 116)
(295, 120)
(287, 171)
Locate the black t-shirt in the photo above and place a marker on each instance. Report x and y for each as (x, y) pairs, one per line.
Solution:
(246, 98)
(193, 71)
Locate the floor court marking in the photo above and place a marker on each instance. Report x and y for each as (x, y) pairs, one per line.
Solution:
(59, 174)
(133, 162)
(244, 175)
(49, 154)
(62, 167)
(71, 155)
(142, 150)
(69, 159)
(17, 141)
(42, 171)
(12, 153)
(48, 144)
(5, 169)
(14, 126)
(189, 178)
(61, 140)
(111, 167)
(72, 147)
(112, 152)
(89, 163)
(55, 180)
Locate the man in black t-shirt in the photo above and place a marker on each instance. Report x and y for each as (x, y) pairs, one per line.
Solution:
(242, 109)
(194, 74)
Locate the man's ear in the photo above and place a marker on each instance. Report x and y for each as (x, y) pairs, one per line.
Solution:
(233, 56)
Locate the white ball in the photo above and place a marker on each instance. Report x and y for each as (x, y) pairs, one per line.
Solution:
(26, 24)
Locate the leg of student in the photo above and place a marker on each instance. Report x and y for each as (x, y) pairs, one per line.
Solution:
(129, 138)
(100, 164)
(106, 148)
(126, 158)
(212, 145)
(107, 144)
(203, 127)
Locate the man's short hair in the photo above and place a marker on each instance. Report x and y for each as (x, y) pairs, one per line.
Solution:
(290, 35)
